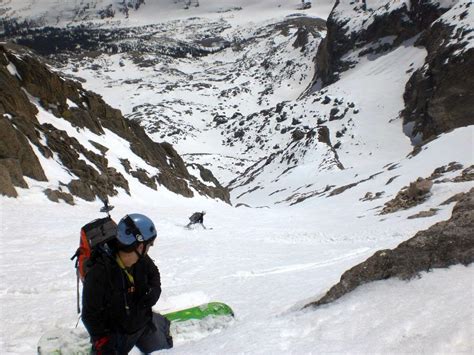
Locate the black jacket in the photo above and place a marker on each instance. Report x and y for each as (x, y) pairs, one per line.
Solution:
(107, 292)
(197, 217)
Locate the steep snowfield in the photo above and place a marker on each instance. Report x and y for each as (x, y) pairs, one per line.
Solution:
(371, 138)
(178, 99)
(266, 263)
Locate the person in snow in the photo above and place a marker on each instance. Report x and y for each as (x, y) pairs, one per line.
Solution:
(306, 4)
(187, 3)
(119, 291)
(197, 217)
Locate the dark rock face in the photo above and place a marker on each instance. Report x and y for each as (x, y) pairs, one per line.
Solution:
(144, 178)
(440, 96)
(17, 158)
(345, 35)
(442, 245)
(324, 136)
(215, 192)
(81, 189)
(15, 172)
(21, 71)
(56, 195)
(6, 184)
(297, 135)
(91, 183)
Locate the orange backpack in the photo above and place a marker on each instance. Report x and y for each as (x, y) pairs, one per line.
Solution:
(94, 236)
(93, 240)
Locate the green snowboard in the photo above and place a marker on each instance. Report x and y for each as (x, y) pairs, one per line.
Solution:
(212, 309)
(63, 341)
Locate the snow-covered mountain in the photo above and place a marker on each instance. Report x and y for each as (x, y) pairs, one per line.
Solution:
(23, 14)
(336, 139)
(96, 150)
(273, 104)
(19, 13)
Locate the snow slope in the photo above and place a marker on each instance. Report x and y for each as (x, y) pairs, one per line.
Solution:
(180, 99)
(266, 263)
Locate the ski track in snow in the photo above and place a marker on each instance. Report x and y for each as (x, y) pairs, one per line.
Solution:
(298, 267)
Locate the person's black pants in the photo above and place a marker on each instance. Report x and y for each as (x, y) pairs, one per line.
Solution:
(153, 337)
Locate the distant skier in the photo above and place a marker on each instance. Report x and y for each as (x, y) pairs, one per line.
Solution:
(197, 217)
(187, 3)
(306, 4)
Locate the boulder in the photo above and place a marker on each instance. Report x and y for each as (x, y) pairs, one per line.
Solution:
(81, 189)
(416, 193)
(297, 135)
(56, 195)
(419, 188)
(220, 119)
(424, 214)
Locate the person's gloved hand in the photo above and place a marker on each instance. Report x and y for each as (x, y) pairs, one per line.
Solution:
(104, 346)
(148, 300)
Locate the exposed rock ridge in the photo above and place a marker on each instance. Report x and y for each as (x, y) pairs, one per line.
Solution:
(442, 245)
(24, 78)
(78, 39)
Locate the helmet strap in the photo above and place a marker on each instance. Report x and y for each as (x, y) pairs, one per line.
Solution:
(133, 228)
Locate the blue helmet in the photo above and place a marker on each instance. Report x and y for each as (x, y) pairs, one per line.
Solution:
(135, 228)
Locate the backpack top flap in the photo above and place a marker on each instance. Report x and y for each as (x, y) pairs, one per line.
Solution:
(100, 231)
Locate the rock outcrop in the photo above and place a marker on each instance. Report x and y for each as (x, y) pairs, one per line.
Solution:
(442, 245)
(17, 119)
(25, 79)
(417, 192)
(354, 27)
(210, 180)
(439, 96)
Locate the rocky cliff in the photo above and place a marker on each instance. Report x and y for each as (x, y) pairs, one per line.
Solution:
(28, 86)
(439, 96)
